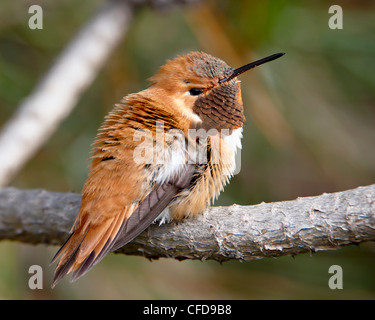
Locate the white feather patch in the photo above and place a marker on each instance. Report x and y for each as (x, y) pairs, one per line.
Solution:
(164, 217)
(234, 140)
(234, 144)
(173, 161)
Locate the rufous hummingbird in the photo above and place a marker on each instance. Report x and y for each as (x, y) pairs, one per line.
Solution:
(149, 163)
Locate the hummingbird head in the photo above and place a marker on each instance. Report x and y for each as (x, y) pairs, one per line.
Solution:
(205, 89)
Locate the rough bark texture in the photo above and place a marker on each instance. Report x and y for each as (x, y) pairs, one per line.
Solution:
(309, 224)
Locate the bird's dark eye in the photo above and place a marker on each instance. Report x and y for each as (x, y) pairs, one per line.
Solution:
(195, 91)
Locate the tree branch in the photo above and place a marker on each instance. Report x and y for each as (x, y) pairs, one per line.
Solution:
(324, 222)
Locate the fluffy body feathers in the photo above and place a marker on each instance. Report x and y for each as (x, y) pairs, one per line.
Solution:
(136, 177)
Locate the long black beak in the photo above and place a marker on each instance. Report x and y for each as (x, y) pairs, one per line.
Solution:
(238, 71)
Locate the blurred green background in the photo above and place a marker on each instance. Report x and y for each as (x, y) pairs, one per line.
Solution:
(310, 129)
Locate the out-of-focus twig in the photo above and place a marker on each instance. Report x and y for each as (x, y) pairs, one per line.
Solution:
(56, 95)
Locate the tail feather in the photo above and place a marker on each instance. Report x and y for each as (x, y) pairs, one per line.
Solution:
(91, 241)
(100, 249)
(84, 267)
(80, 250)
(65, 264)
(60, 251)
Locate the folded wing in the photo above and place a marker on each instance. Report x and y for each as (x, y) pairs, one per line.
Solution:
(88, 244)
